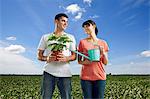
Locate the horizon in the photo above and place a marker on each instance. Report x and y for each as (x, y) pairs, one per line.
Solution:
(75, 74)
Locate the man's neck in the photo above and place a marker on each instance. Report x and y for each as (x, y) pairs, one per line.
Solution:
(58, 32)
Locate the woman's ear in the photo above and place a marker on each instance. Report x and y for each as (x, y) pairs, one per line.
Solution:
(94, 26)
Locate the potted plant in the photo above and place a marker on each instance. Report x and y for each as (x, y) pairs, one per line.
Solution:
(58, 44)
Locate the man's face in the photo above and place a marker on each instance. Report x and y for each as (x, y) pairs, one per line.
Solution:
(62, 23)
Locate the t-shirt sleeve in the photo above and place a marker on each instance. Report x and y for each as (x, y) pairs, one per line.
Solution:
(80, 48)
(106, 48)
(73, 43)
(42, 44)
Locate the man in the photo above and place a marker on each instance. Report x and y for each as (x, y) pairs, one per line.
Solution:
(57, 72)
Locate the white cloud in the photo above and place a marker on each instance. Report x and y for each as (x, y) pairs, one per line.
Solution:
(11, 38)
(3, 44)
(126, 2)
(15, 49)
(145, 53)
(130, 4)
(138, 3)
(88, 2)
(131, 63)
(130, 18)
(109, 64)
(78, 16)
(133, 3)
(94, 16)
(16, 64)
(61, 7)
(75, 10)
(131, 68)
(148, 3)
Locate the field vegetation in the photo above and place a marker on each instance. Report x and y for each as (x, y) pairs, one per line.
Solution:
(117, 87)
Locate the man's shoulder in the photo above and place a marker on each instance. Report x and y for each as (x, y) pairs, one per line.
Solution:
(46, 35)
(68, 34)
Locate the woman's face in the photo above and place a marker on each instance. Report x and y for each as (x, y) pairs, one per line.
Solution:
(89, 28)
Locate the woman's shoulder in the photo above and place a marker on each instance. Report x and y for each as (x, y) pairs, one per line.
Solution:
(102, 40)
(104, 43)
(83, 40)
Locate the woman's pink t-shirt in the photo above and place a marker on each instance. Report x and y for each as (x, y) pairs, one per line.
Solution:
(95, 70)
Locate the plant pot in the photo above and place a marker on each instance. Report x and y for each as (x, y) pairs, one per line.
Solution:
(55, 53)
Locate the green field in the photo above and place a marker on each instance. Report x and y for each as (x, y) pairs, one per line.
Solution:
(117, 87)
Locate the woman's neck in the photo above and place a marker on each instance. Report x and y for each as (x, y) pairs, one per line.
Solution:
(93, 37)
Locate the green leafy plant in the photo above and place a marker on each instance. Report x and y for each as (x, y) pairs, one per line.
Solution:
(59, 42)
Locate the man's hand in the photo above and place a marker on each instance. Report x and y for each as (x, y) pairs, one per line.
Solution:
(50, 58)
(62, 58)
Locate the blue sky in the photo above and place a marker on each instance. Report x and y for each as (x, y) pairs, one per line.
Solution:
(124, 24)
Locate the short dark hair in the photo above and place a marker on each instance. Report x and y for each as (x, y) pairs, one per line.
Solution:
(58, 16)
(88, 22)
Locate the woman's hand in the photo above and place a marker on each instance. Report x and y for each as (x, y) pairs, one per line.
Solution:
(102, 51)
(85, 62)
(103, 55)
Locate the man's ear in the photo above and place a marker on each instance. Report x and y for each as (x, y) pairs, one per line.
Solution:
(55, 21)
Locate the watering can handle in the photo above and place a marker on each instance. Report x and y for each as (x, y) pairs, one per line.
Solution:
(80, 54)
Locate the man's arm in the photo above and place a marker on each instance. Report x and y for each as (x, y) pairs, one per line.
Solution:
(72, 57)
(41, 57)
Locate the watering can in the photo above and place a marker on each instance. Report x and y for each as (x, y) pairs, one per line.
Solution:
(93, 54)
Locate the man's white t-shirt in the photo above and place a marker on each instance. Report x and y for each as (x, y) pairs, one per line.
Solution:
(58, 69)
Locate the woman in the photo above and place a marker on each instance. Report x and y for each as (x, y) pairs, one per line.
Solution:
(93, 76)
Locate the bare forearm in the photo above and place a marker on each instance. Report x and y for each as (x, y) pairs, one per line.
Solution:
(42, 58)
(71, 57)
(82, 62)
(40, 55)
(105, 58)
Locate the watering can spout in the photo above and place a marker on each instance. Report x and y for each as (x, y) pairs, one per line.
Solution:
(94, 54)
(80, 54)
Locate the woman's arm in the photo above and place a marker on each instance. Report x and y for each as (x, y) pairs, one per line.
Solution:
(83, 61)
(104, 58)
(104, 55)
